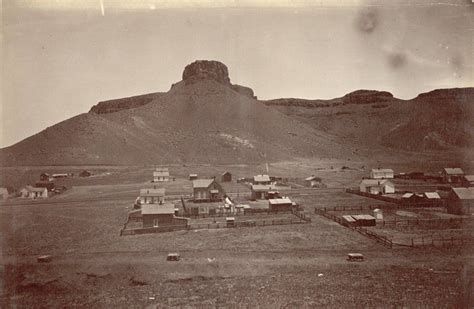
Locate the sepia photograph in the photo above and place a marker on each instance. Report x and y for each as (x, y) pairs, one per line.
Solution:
(237, 154)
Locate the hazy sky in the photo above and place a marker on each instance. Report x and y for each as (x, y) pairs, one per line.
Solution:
(61, 57)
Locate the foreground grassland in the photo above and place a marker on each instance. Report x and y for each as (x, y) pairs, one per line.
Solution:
(276, 266)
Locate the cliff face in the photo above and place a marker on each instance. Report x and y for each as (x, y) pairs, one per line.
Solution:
(205, 69)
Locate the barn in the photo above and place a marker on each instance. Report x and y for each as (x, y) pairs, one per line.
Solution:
(461, 201)
(207, 190)
(312, 181)
(381, 173)
(226, 177)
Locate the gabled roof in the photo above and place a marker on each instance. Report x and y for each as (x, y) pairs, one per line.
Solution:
(202, 183)
(161, 174)
(312, 178)
(261, 188)
(382, 170)
(453, 171)
(370, 182)
(226, 173)
(464, 193)
(408, 195)
(157, 209)
(279, 201)
(469, 178)
(152, 192)
(432, 195)
(260, 178)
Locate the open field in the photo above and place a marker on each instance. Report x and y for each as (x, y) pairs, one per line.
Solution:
(273, 266)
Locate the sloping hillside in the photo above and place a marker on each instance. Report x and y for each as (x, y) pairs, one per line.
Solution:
(438, 120)
(202, 119)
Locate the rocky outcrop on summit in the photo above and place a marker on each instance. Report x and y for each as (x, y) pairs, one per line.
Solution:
(206, 69)
(367, 97)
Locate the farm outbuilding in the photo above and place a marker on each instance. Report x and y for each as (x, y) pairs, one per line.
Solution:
(381, 173)
(152, 196)
(387, 186)
(261, 180)
(226, 177)
(260, 192)
(161, 174)
(461, 201)
(33, 193)
(280, 204)
(193, 176)
(207, 190)
(452, 175)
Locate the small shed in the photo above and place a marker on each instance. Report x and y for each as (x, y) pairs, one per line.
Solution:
(348, 220)
(364, 220)
(381, 173)
(226, 177)
(461, 201)
(85, 173)
(230, 221)
(193, 176)
(157, 215)
(280, 204)
(378, 214)
(452, 175)
(387, 186)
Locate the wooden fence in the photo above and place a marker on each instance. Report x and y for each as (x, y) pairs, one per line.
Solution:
(438, 241)
(300, 218)
(383, 240)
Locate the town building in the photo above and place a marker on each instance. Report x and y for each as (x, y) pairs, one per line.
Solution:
(280, 204)
(193, 176)
(226, 177)
(33, 193)
(461, 201)
(376, 186)
(381, 173)
(207, 190)
(260, 192)
(161, 174)
(261, 180)
(452, 175)
(312, 181)
(156, 215)
(152, 196)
